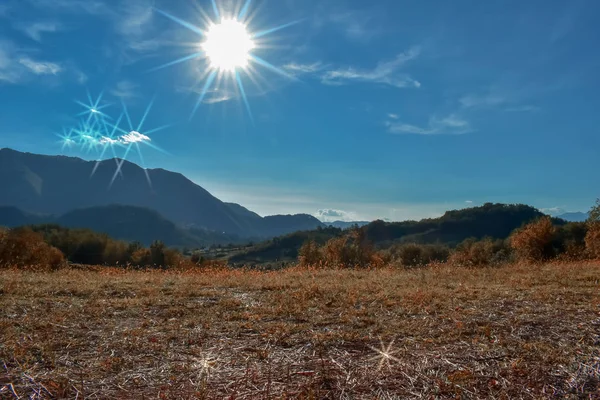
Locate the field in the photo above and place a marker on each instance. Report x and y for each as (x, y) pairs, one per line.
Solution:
(439, 332)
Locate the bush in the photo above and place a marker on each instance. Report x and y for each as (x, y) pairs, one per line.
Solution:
(486, 252)
(533, 242)
(350, 251)
(414, 255)
(25, 249)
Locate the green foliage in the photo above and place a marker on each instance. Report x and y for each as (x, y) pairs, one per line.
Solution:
(414, 255)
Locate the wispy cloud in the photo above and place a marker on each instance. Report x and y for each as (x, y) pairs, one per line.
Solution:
(386, 72)
(40, 67)
(299, 69)
(451, 124)
(125, 90)
(218, 97)
(35, 30)
(132, 20)
(92, 7)
(523, 109)
(503, 99)
(16, 67)
(135, 25)
(355, 25)
(482, 100)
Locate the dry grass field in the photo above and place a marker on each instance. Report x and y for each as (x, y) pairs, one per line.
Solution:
(439, 332)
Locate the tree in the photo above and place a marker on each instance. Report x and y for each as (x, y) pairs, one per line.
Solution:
(309, 254)
(595, 212)
(157, 253)
(592, 238)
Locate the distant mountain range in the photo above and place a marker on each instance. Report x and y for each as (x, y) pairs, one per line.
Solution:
(41, 185)
(346, 224)
(574, 216)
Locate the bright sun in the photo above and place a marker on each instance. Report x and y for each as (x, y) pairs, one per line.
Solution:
(228, 45)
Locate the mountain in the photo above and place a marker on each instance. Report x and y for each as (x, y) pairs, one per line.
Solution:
(58, 184)
(346, 224)
(574, 216)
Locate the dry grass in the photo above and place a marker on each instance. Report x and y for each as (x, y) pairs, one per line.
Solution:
(512, 332)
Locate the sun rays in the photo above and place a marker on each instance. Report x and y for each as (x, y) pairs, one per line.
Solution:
(227, 45)
(227, 49)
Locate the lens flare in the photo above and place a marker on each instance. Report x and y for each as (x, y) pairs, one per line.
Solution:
(97, 133)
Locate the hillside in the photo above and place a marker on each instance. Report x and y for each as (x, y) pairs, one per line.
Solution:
(129, 223)
(57, 185)
(490, 220)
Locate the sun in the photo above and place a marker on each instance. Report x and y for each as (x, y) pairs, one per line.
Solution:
(227, 49)
(228, 45)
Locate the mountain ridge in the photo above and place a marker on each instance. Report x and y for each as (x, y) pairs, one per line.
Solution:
(43, 184)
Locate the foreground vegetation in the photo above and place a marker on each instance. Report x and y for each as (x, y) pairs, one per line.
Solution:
(519, 331)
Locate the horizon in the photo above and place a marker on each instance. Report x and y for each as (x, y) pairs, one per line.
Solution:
(469, 104)
(325, 219)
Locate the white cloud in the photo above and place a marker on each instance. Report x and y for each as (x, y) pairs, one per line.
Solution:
(134, 137)
(553, 210)
(393, 116)
(469, 201)
(36, 29)
(451, 124)
(386, 72)
(330, 215)
(125, 90)
(129, 138)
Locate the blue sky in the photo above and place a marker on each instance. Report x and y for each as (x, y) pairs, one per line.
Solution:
(392, 109)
